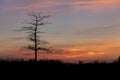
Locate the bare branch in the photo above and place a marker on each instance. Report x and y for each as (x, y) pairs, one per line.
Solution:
(40, 32)
(45, 49)
(30, 47)
(27, 28)
(32, 23)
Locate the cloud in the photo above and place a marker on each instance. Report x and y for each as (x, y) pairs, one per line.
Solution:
(103, 31)
(34, 5)
(69, 4)
(95, 5)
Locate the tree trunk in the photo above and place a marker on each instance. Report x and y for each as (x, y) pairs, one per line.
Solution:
(35, 55)
(36, 42)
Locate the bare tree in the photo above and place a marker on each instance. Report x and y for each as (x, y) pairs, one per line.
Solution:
(36, 20)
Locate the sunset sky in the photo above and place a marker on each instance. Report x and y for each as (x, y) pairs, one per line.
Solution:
(82, 29)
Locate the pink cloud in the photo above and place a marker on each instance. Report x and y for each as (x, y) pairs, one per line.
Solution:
(74, 5)
(96, 4)
(43, 4)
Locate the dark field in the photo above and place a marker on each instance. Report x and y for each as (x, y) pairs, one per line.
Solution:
(52, 68)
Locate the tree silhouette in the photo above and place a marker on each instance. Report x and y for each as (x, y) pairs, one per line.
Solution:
(32, 28)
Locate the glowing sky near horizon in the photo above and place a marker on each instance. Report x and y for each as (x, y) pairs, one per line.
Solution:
(85, 29)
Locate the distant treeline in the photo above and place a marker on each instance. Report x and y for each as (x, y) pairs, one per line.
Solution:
(52, 62)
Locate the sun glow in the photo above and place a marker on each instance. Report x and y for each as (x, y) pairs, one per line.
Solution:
(93, 53)
(74, 49)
